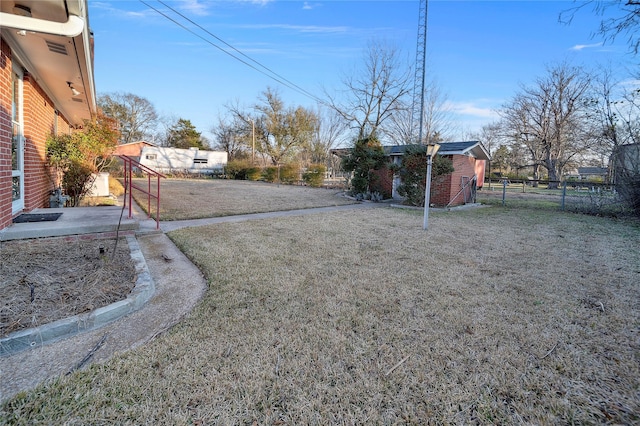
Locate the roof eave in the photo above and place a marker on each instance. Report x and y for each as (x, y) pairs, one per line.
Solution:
(54, 85)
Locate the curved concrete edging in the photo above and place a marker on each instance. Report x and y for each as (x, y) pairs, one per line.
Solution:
(47, 333)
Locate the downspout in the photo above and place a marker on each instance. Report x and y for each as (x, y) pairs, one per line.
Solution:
(73, 27)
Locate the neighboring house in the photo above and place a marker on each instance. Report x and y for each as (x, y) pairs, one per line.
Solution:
(193, 160)
(469, 161)
(132, 149)
(46, 87)
(587, 173)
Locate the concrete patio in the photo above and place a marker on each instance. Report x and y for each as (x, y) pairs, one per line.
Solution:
(78, 221)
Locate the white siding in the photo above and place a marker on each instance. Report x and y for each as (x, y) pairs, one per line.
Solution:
(167, 160)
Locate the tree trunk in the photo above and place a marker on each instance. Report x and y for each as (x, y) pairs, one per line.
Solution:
(536, 174)
(554, 176)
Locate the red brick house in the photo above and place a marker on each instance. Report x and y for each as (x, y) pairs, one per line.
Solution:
(46, 87)
(457, 188)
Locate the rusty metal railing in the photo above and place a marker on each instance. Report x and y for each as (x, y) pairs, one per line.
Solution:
(129, 165)
(472, 195)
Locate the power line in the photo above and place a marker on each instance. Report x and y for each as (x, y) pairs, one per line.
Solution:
(270, 73)
(209, 42)
(293, 85)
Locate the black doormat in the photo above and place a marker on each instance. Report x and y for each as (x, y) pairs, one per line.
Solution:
(37, 217)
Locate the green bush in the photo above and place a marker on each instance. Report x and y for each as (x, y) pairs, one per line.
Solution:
(270, 174)
(254, 173)
(77, 181)
(237, 169)
(366, 156)
(380, 184)
(289, 173)
(78, 156)
(314, 176)
(413, 172)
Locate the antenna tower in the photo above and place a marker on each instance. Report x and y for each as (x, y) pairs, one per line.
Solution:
(419, 79)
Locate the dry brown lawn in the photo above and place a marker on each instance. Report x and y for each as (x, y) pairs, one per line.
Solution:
(493, 316)
(200, 198)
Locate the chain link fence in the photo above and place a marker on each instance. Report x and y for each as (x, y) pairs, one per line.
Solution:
(574, 196)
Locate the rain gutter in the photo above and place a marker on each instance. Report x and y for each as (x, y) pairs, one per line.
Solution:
(72, 28)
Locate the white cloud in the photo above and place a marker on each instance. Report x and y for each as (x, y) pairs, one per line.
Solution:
(474, 108)
(309, 6)
(111, 9)
(258, 2)
(300, 28)
(579, 47)
(195, 7)
(633, 83)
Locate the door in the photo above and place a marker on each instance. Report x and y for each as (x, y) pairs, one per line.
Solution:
(17, 141)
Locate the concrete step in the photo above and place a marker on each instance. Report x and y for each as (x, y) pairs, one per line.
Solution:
(73, 221)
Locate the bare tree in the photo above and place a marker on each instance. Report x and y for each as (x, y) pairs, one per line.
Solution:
(548, 118)
(630, 113)
(282, 130)
(374, 93)
(400, 130)
(437, 115)
(615, 129)
(165, 123)
(231, 136)
(437, 121)
(492, 136)
(517, 123)
(627, 22)
(626, 157)
(605, 113)
(248, 126)
(328, 132)
(135, 115)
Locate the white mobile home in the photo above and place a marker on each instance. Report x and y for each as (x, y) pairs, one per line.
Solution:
(193, 160)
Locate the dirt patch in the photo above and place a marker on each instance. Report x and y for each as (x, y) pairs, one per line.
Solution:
(45, 280)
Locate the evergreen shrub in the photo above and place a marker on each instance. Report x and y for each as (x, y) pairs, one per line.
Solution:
(314, 176)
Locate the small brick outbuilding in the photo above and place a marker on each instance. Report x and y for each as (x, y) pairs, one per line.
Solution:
(469, 160)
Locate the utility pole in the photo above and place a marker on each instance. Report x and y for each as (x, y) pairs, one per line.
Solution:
(253, 144)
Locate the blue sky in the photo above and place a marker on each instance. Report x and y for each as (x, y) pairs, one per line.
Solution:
(480, 52)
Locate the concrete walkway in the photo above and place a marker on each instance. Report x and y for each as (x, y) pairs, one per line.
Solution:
(179, 224)
(179, 285)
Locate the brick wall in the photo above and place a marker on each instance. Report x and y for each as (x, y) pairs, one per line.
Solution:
(382, 182)
(444, 188)
(5, 134)
(39, 119)
(480, 170)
